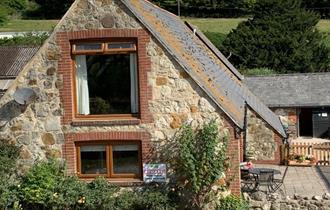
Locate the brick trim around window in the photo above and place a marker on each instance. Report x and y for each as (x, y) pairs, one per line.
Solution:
(65, 70)
(69, 148)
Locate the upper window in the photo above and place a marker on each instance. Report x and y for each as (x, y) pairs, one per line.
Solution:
(106, 78)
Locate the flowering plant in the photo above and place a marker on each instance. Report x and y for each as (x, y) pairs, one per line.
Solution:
(301, 158)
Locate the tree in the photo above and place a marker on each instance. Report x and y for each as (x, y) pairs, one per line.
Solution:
(53, 9)
(282, 36)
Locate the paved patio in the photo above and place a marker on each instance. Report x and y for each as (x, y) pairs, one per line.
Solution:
(305, 181)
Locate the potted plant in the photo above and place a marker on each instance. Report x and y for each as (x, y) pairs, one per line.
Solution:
(301, 160)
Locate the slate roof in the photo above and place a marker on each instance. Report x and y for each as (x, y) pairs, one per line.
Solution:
(292, 90)
(209, 69)
(14, 58)
(12, 61)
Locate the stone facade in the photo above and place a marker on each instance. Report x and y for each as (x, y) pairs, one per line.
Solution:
(173, 98)
(261, 142)
(289, 119)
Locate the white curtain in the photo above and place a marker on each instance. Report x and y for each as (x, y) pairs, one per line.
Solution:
(82, 85)
(134, 85)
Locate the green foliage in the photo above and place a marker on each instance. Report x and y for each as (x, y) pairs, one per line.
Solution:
(45, 186)
(202, 161)
(152, 199)
(232, 203)
(3, 16)
(17, 5)
(8, 156)
(28, 39)
(216, 38)
(258, 71)
(39, 183)
(281, 36)
(52, 9)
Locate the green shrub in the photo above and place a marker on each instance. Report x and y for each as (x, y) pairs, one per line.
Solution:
(153, 200)
(28, 39)
(232, 203)
(202, 160)
(17, 5)
(8, 156)
(45, 186)
(39, 183)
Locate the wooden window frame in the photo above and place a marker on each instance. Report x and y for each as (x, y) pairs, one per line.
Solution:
(104, 51)
(109, 160)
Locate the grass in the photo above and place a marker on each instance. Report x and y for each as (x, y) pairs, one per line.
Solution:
(224, 25)
(28, 25)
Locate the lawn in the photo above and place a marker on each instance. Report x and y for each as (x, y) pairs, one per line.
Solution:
(225, 25)
(28, 25)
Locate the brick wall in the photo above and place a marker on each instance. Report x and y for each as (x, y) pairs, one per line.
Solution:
(65, 68)
(233, 152)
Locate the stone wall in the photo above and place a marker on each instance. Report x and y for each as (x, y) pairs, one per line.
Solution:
(278, 201)
(260, 142)
(39, 129)
(289, 119)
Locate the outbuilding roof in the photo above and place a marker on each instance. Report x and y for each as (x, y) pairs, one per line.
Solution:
(198, 57)
(12, 61)
(14, 58)
(292, 90)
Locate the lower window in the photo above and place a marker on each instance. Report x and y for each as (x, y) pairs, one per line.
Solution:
(110, 159)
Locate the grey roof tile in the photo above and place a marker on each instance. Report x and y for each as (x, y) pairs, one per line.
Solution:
(292, 90)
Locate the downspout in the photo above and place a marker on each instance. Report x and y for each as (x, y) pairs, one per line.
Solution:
(245, 132)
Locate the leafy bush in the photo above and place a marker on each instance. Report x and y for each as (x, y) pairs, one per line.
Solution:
(202, 161)
(8, 156)
(45, 186)
(232, 203)
(39, 184)
(27, 39)
(17, 5)
(152, 199)
(281, 36)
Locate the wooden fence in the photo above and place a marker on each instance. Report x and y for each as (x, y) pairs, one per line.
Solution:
(321, 151)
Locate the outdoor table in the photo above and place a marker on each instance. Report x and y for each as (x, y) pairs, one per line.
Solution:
(254, 182)
(257, 171)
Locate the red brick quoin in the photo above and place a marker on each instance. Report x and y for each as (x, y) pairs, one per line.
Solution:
(65, 68)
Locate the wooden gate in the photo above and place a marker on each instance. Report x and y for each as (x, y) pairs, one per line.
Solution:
(321, 151)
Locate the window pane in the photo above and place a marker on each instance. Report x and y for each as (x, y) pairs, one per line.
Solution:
(93, 159)
(88, 46)
(125, 159)
(121, 45)
(104, 84)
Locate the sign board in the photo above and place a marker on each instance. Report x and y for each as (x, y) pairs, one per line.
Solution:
(154, 172)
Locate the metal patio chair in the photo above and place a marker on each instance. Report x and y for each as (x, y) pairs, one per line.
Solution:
(248, 181)
(277, 183)
(265, 179)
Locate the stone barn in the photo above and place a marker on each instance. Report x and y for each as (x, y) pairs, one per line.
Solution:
(115, 81)
(302, 101)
